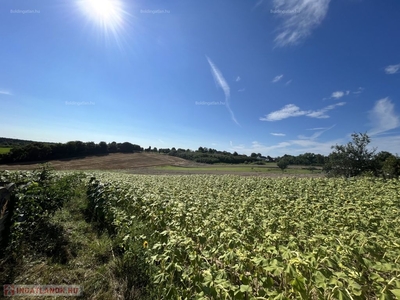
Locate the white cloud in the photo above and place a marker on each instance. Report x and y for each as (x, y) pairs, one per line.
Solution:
(289, 110)
(221, 82)
(241, 90)
(347, 93)
(4, 92)
(383, 117)
(392, 69)
(278, 134)
(238, 79)
(337, 95)
(288, 82)
(277, 78)
(161, 141)
(292, 110)
(299, 17)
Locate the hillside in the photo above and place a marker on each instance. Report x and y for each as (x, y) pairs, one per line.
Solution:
(113, 161)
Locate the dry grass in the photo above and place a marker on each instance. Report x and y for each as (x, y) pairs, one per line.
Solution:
(113, 161)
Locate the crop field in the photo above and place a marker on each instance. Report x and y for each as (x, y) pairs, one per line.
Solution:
(240, 169)
(232, 237)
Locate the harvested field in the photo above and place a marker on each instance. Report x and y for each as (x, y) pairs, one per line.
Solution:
(114, 161)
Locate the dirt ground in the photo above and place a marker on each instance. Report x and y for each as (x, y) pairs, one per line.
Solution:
(140, 163)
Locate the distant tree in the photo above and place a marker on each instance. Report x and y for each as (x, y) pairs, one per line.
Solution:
(380, 159)
(155, 149)
(391, 167)
(283, 163)
(126, 147)
(235, 153)
(253, 155)
(113, 147)
(90, 148)
(352, 159)
(103, 147)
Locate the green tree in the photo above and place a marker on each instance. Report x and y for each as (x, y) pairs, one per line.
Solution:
(390, 168)
(352, 159)
(283, 163)
(103, 147)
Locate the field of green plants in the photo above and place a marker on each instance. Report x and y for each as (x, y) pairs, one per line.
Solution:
(231, 237)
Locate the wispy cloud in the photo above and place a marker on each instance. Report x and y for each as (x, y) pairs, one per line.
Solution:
(241, 90)
(259, 2)
(278, 134)
(288, 82)
(316, 134)
(292, 110)
(161, 141)
(318, 128)
(359, 90)
(383, 117)
(321, 113)
(5, 92)
(238, 79)
(392, 69)
(296, 26)
(277, 78)
(221, 82)
(339, 94)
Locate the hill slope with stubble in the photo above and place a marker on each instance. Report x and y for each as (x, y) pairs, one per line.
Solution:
(113, 161)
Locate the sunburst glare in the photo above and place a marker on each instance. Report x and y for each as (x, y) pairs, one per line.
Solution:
(107, 15)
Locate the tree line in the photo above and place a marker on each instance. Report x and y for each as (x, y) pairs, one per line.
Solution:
(353, 159)
(37, 151)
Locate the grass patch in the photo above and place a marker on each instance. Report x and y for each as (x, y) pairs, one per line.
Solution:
(4, 150)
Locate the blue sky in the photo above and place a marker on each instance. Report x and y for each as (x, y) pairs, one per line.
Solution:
(276, 77)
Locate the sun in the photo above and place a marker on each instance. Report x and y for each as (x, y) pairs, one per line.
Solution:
(106, 13)
(109, 19)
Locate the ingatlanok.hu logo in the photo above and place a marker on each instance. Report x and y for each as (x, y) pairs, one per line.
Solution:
(41, 290)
